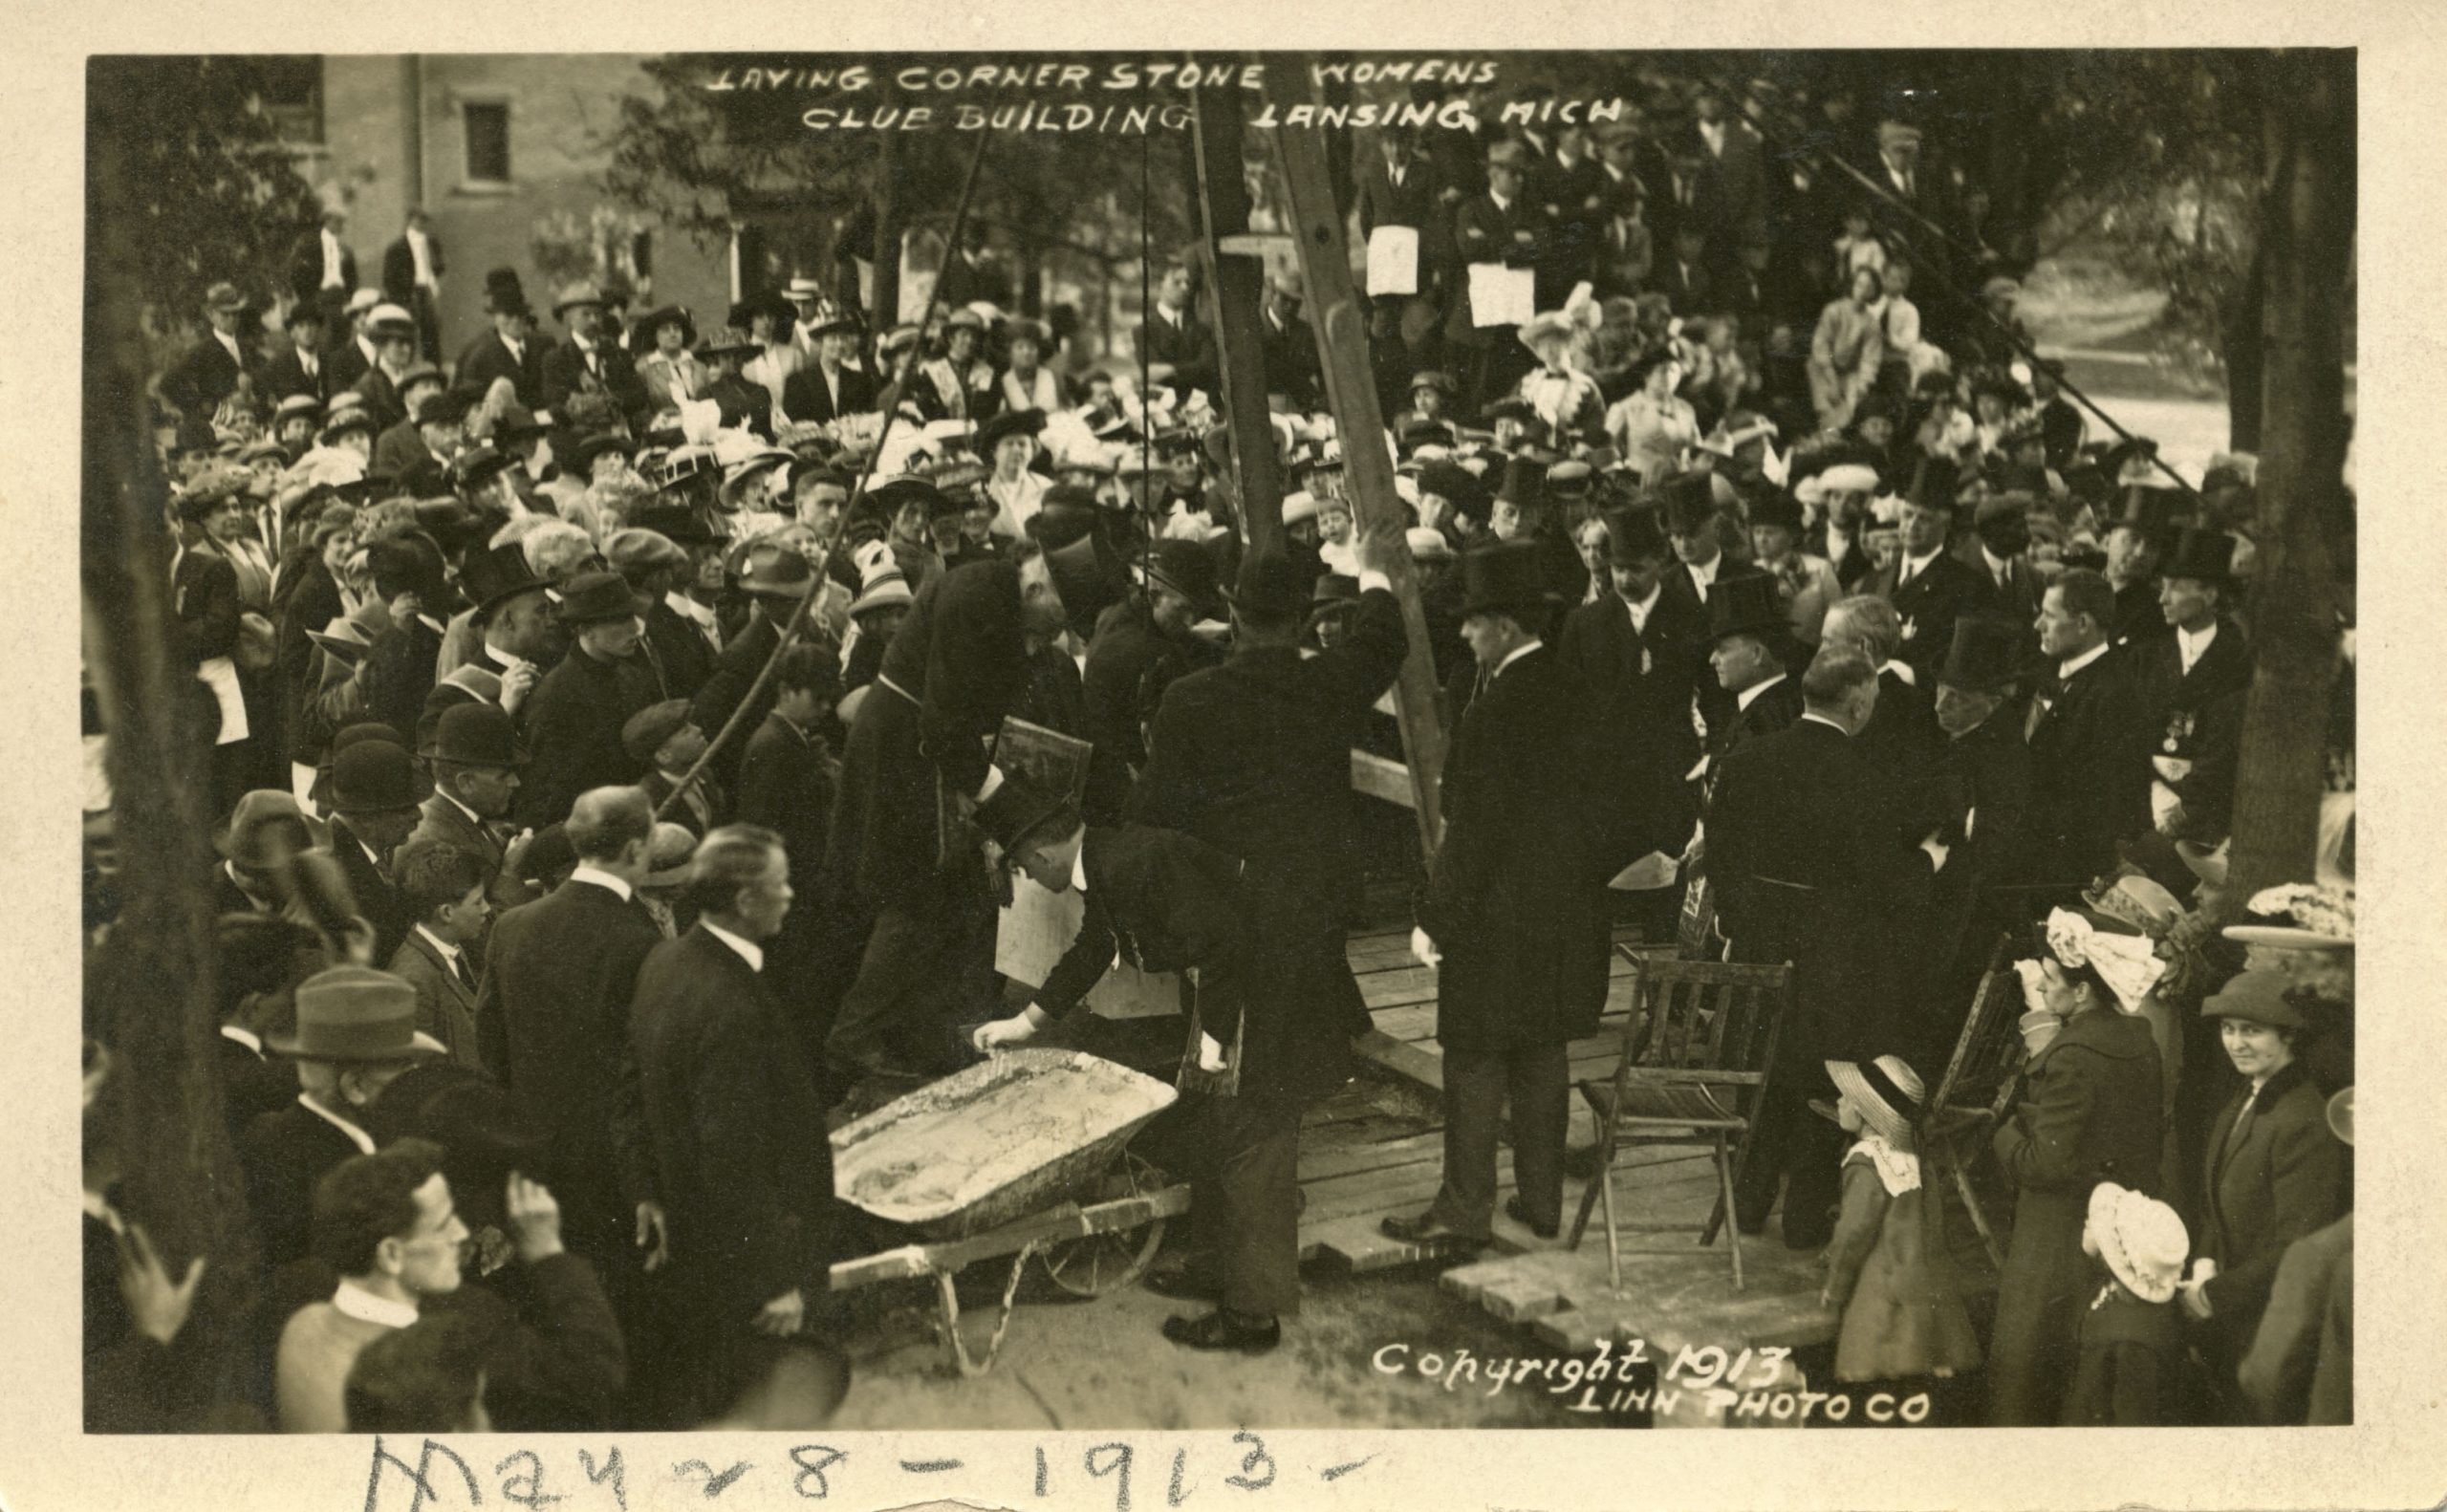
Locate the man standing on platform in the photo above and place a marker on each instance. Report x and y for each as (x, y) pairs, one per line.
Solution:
(1515, 917)
(1253, 757)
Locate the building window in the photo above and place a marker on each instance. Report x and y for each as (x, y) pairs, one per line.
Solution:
(487, 125)
(293, 97)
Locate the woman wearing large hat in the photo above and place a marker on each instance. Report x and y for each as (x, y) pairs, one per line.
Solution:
(671, 374)
(1027, 382)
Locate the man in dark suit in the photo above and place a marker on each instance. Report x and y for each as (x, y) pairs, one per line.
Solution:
(352, 350)
(785, 785)
(374, 803)
(1803, 851)
(575, 719)
(734, 1134)
(590, 360)
(552, 1020)
(475, 759)
(775, 580)
(322, 275)
(826, 387)
(397, 675)
(514, 612)
(299, 368)
(509, 350)
(2089, 734)
(211, 370)
(1253, 757)
(1499, 226)
(1286, 346)
(1681, 271)
(387, 385)
(1400, 185)
(2193, 687)
(1175, 346)
(656, 566)
(1928, 585)
(1140, 648)
(958, 664)
(1998, 549)
(443, 885)
(1750, 649)
(356, 1031)
(1515, 920)
(412, 270)
(1903, 739)
(1841, 532)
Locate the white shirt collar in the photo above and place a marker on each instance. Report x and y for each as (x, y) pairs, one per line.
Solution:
(230, 344)
(1914, 565)
(363, 1141)
(449, 952)
(1501, 202)
(473, 817)
(1750, 695)
(687, 608)
(1640, 611)
(1998, 566)
(1518, 652)
(245, 1037)
(1079, 868)
(370, 857)
(749, 950)
(353, 1301)
(2194, 644)
(600, 878)
(1822, 719)
(2071, 664)
(1704, 573)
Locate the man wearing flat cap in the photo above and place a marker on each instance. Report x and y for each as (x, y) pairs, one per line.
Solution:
(664, 741)
(776, 579)
(662, 567)
(577, 712)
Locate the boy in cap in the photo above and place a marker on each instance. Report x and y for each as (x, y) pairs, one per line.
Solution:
(665, 743)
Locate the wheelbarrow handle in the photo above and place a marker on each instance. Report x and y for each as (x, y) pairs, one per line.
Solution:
(947, 1299)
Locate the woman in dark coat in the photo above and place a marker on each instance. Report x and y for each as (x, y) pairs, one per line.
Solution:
(2275, 1174)
(2088, 1114)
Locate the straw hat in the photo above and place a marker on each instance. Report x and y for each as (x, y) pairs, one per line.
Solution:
(2298, 915)
(1886, 1091)
(2142, 1239)
(669, 853)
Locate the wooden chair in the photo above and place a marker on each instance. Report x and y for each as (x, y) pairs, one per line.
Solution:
(1696, 1047)
(1979, 1082)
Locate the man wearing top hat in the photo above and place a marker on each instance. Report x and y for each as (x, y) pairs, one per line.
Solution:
(915, 763)
(2136, 549)
(356, 1032)
(1928, 585)
(1643, 651)
(513, 612)
(374, 802)
(1805, 855)
(2089, 735)
(510, 349)
(1524, 512)
(476, 762)
(1140, 646)
(210, 371)
(576, 716)
(828, 386)
(2194, 685)
(1750, 650)
(1515, 917)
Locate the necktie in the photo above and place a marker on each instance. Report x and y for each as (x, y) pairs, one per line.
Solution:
(2243, 1116)
(458, 969)
(311, 369)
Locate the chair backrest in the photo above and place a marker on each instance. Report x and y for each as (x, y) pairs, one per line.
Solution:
(1990, 1047)
(1706, 1020)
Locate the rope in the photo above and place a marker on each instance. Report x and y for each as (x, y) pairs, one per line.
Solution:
(792, 631)
(2029, 352)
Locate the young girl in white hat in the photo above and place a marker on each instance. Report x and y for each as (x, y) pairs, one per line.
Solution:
(1887, 1269)
(2131, 1341)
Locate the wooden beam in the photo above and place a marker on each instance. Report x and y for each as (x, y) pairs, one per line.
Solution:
(1338, 317)
(1239, 280)
(1381, 777)
(1068, 1221)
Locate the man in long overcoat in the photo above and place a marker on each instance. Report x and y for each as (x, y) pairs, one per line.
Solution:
(1515, 917)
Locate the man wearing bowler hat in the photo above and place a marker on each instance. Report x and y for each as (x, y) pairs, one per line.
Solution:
(777, 579)
(299, 371)
(374, 802)
(1140, 648)
(915, 760)
(1253, 757)
(356, 1031)
(659, 555)
(574, 720)
(1515, 917)
(476, 762)
(2194, 683)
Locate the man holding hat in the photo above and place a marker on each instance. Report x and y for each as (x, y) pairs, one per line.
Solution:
(356, 1031)
(575, 717)
(2194, 683)
(1515, 920)
(828, 386)
(916, 756)
(509, 350)
(476, 762)
(1139, 649)
(374, 803)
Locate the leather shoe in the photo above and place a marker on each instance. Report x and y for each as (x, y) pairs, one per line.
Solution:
(1430, 1233)
(1221, 1330)
(1517, 1211)
(1182, 1285)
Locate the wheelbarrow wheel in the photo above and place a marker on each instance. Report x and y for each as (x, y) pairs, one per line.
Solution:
(1095, 1263)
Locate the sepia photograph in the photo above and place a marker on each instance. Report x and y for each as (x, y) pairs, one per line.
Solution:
(1209, 746)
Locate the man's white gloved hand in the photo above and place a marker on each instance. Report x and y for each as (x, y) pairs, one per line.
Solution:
(1425, 948)
(1017, 1029)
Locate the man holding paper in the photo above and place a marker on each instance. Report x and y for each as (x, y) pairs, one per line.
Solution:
(1401, 193)
(1496, 240)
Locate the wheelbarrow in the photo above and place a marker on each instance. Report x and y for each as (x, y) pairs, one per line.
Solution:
(1021, 1155)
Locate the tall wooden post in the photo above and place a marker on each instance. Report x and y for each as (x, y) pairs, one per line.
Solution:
(1223, 200)
(1337, 317)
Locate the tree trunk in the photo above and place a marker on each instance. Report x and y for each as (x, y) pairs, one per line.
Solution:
(2240, 340)
(152, 978)
(2306, 243)
(883, 312)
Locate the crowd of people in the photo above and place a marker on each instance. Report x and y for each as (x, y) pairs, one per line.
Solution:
(607, 795)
